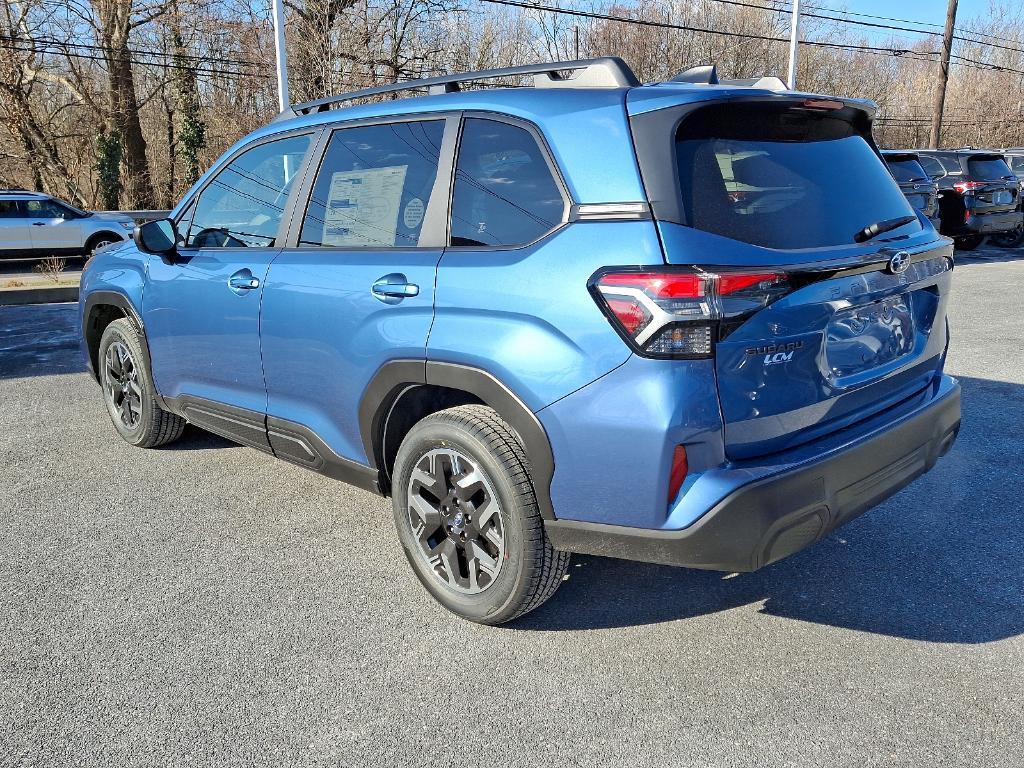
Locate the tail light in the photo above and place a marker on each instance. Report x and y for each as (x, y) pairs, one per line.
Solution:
(969, 186)
(672, 313)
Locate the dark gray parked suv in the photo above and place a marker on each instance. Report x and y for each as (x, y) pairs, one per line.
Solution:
(978, 194)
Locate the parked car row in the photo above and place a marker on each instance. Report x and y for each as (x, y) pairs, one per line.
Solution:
(34, 224)
(967, 193)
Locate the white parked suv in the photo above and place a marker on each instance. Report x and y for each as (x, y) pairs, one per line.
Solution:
(34, 224)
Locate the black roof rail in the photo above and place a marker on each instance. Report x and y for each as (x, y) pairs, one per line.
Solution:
(15, 189)
(603, 72)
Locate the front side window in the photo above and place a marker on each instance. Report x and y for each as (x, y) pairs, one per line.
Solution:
(505, 194)
(783, 178)
(44, 209)
(373, 186)
(244, 204)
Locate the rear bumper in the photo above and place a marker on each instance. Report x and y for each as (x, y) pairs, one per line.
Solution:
(991, 223)
(771, 517)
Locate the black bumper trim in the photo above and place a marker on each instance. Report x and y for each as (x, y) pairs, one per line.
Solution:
(779, 515)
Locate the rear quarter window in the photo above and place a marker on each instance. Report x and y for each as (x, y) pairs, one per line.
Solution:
(782, 178)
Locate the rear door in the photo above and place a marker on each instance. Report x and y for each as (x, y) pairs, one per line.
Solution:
(202, 310)
(15, 228)
(819, 331)
(355, 286)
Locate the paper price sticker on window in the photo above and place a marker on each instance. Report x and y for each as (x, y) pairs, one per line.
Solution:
(362, 206)
(413, 215)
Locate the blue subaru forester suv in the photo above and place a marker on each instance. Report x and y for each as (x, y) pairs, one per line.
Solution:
(692, 322)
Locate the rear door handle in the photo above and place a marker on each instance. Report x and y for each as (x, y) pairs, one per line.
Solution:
(243, 280)
(392, 288)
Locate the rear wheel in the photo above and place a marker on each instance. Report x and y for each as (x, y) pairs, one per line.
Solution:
(968, 242)
(128, 390)
(468, 519)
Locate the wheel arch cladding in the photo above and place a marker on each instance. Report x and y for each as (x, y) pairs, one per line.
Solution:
(404, 391)
(100, 310)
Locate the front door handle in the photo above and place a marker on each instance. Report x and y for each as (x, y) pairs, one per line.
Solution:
(38, 223)
(392, 288)
(243, 280)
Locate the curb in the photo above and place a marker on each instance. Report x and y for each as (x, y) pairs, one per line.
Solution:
(55, 295)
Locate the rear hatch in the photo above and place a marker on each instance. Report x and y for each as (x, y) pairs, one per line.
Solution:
(991, 182)
(914, 182)
(817, 320)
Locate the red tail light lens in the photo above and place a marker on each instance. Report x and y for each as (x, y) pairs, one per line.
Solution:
(679, 313)
(968, 186)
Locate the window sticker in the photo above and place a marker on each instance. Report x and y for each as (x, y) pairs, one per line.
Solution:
(413, 215)
(362, 206)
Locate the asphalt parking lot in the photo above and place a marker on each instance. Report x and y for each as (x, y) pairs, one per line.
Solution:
(206, 605)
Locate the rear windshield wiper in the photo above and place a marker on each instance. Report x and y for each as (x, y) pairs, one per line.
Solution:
(874, 230)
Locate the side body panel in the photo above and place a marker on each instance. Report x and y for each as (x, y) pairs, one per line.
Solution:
(526, 315)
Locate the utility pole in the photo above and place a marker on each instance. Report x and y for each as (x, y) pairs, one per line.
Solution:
(277, 12)
(794, 29)
(939, 96)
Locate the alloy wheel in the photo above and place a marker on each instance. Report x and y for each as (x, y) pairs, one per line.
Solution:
(456, 520)
(121, 380)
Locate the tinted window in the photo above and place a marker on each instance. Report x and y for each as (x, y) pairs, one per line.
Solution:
(244, 203)
(44, 209)
(932, 166)
(373, 186)
(504, 192)
(782, 178)
(1017, 164)
(9, 209)
(988, 169)
(951, 163)
(907, 170)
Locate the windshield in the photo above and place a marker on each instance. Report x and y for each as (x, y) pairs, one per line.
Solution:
(907, 171)
(988, 168)
(781, 177)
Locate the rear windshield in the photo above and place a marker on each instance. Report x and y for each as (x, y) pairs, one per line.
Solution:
(784, 178)
(906, 170)
(988, 168)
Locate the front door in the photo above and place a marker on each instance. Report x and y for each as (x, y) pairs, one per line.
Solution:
(356, 286)
(54, 228)
(202, 309)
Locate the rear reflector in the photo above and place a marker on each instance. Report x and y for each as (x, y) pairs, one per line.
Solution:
(678, 472)
(677, 313)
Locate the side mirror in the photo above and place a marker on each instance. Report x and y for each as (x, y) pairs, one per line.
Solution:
(158, 237)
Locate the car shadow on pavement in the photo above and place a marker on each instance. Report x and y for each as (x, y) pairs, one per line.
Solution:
(990, 255)
(940, 561)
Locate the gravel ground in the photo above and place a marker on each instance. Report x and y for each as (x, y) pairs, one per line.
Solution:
(206, 605)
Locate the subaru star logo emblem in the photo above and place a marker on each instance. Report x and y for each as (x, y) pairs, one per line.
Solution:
(899, 262)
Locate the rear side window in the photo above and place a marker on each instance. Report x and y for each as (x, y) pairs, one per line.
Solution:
(1017, 164)
(782, 178)
(505, 193)
(373, 186)
(951, 163)
(9, 209)
(907, 170)
(988, 168)
(244, 204)
(932, 166)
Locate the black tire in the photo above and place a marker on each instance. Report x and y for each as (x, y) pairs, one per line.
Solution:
(1012, 239)
(128, 390)
(99, 240)
(968, 242)
(528, 569)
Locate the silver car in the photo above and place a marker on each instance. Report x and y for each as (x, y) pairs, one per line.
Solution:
(34, 224)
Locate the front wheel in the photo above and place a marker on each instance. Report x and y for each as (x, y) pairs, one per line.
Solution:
(468, 519)
(968, 242)
(128, 390)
